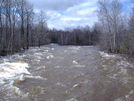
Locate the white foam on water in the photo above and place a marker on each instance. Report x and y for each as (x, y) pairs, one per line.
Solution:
(65, 51)
(105, 66)
(72, 99)
(38, 58)
(123, 71)
(13, 92)
(41, 67)
(60, 84)
(75, 85)
(16, 57)
(52, 44)
(46, 51)
(80, 65)
(126, 97)
(75, 62)
(74, 49)
(5, 60)
(106, 55)
(85, 81)
(58, 67)
(14, 73)
(119, 99)
(124, 64)
(11, 70)
(36, 77)
(22, 78)
(113, 76)
(50, 56)
(38, 54)
(131, 92)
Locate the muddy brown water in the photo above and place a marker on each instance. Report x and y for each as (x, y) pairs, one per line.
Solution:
(66, 73)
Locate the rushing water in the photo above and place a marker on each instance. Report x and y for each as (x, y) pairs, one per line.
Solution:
(66, 73)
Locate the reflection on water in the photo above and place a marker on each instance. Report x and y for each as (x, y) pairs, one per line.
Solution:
(66, 73)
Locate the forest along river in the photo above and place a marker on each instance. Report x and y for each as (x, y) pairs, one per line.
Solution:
(66, 73)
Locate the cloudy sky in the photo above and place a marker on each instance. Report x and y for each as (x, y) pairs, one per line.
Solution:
(70, 13)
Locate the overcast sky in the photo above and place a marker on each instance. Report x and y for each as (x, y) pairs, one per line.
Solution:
(70, 13)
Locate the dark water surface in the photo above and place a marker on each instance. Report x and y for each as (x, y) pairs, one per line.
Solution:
(66, 73)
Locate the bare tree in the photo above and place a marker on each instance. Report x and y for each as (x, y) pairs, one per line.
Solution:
(22, 13)
(29, 18)
(41, 27)
(131, 31)
(1, 25)
(109, 13)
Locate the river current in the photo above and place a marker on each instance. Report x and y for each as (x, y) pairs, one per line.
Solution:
(66, 73)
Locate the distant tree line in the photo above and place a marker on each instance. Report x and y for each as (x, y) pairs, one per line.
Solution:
(116, 31)
(77, 36)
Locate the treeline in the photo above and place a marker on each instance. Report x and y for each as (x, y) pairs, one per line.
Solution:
(116, 30)
(78, 36)
(20, 26)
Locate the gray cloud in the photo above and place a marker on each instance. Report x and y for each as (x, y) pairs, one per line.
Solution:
(67, 13)
(59, 5)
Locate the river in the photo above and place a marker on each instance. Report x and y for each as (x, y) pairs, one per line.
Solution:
(66, 73)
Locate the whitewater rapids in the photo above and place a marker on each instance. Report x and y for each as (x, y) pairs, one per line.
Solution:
(66, 73)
